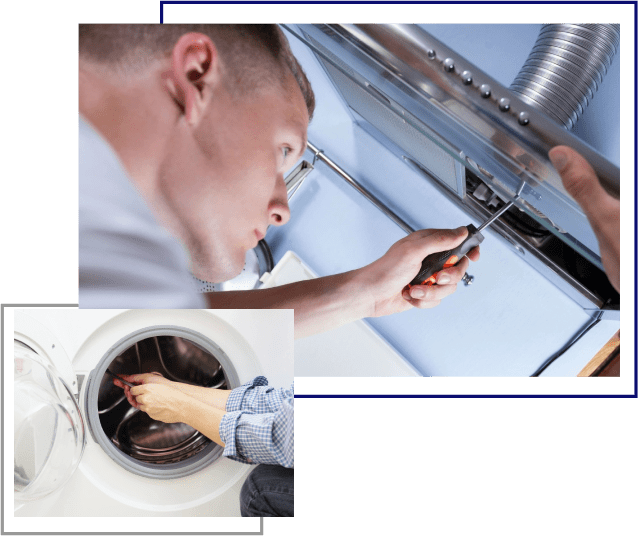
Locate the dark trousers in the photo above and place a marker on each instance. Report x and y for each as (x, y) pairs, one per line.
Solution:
(269, 491)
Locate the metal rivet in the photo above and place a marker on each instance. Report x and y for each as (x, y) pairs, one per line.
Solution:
(431, 54)
(523, 118)
(467, 77)
(503, 104)
(448, 64)
(485, 90)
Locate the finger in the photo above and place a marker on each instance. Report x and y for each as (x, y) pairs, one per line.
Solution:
(420, 234)
(474, 253)
(440, 240)
(130, 397)
(132, 378)
(453, 274)
(138, 390)
(420, 294)
(140, 379)
(579, 178)
(117, 383)
(421, 304)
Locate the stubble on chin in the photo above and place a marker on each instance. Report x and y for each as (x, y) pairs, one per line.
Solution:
(214, 268)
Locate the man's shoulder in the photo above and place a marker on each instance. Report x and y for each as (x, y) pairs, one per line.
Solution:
(103, 182)
(126, 259)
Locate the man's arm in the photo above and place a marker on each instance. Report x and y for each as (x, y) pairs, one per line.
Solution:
(377, 289)
(247, 437)
(320, 304)
(256, 396)
(163, 402)
(212, 397)
(261, 437)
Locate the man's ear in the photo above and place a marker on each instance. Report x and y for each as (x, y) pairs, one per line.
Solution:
(194, 72)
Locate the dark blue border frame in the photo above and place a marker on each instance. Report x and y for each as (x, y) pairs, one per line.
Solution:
(162, 4)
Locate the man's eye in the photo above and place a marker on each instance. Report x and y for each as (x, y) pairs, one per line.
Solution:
(286, 151)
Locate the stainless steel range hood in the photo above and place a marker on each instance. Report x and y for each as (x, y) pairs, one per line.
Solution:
(474, 137)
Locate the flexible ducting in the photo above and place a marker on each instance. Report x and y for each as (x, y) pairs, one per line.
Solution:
(565, 68)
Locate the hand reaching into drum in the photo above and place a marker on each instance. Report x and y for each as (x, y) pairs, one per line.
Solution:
(162, 402)
(140, 379)
(168, 401)
(156, 396)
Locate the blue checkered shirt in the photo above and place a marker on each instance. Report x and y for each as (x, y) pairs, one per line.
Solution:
(259, 424)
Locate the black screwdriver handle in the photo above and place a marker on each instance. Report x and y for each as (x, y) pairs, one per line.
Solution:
(434, 263)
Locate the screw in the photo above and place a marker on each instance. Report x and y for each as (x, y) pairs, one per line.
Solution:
(485, 90)
(503, 104)
(448, 65)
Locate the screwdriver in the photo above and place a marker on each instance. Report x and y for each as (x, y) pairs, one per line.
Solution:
(436, 262)
(120, 378)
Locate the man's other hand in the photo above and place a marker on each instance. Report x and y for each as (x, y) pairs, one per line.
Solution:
(162, 402)
(601, 209)
(386, 279)
(140, 379)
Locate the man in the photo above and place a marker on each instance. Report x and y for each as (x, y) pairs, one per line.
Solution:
(186, 132)
(254, 423)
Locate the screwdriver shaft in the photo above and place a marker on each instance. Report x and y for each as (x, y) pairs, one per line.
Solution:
(120, 378)
(519, 190)
(495, 216)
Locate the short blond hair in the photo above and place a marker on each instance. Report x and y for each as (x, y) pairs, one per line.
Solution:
(255, 54)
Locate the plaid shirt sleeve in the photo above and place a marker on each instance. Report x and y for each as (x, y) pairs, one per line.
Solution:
(259, 424)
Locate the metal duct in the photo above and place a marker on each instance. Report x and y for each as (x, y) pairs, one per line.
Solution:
(565, 68)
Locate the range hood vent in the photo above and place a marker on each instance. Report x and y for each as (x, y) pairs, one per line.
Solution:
(438, 111)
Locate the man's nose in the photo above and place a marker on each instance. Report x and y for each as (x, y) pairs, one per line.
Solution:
(278, 210)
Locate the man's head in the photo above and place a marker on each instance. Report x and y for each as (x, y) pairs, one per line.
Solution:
(232, 105)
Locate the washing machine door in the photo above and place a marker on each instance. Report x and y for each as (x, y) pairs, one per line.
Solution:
(48, 427)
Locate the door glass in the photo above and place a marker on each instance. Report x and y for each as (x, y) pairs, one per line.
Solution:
(48, 427)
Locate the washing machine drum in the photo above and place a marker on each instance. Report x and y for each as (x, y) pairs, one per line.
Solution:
(133, 439)
(132, 430)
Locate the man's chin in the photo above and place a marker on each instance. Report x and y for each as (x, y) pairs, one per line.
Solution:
(219, 272)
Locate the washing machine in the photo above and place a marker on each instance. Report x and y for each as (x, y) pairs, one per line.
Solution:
(80, 449)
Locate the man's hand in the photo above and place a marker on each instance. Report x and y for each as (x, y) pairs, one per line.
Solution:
(386, 279)
(378, 289)
(162, 402)
(602, 210)
(140, 379)
(168, 401)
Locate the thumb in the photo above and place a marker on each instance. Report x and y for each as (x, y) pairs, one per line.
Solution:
(579, 178)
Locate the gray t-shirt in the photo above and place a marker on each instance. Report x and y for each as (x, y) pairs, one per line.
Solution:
(127, 259)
